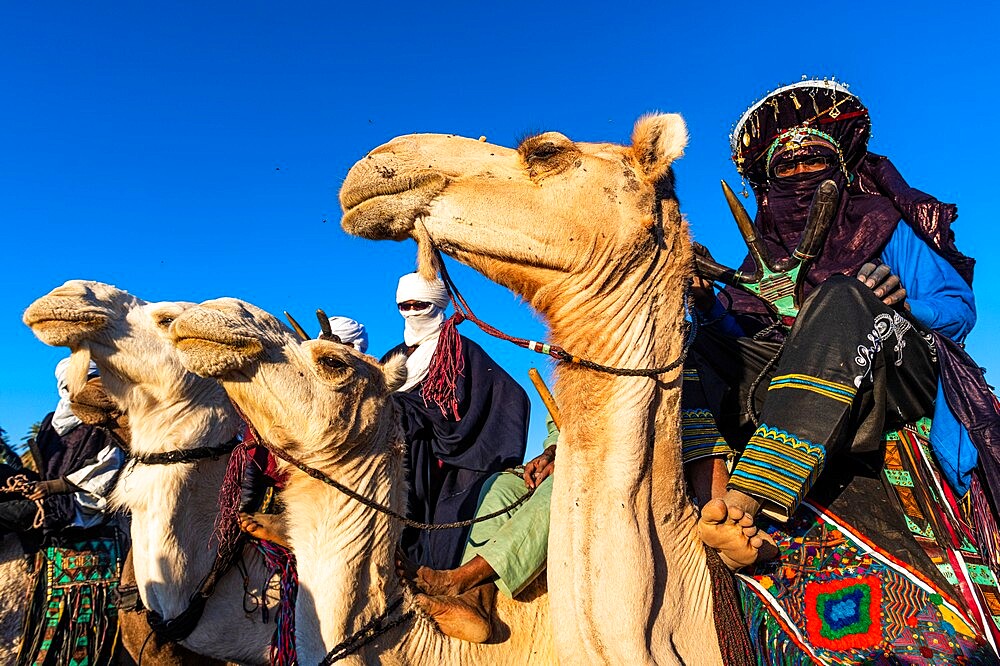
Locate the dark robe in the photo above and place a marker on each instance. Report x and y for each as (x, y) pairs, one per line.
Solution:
(59, 455)
(448, 461)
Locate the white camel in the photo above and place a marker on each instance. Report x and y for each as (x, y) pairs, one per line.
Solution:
(328, 406)
(174, 506)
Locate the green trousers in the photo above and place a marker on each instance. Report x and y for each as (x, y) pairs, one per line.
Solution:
(515, 543)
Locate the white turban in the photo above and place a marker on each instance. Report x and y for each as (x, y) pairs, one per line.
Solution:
(413, 287)
(350, 332)
(64, 419)
(421, 327)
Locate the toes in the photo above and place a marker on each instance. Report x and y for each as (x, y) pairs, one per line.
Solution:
(736, 514)
(746, 521)
(714, 511)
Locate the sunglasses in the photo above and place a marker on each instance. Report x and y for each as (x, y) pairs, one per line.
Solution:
(413, 305)
(807, 165)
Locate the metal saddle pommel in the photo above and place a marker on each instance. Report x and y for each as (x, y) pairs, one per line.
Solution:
(777, 283)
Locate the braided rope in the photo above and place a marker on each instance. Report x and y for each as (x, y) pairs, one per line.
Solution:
(463, 311)
(20, 484)
(366, 634)
(371, 504)
(187, 455)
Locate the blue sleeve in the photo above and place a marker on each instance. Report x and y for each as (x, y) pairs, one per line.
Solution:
(937, 294)
(721, 320)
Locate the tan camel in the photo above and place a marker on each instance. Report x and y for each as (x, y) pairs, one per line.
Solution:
(174, 507)
(328, 406)
(591, 235)
(15, 576)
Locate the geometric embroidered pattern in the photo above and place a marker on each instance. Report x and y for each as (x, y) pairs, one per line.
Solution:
(778, 467)
(842, 614)
(831, 598)
(700, 438)
(72, 618)
(833, 390)
(913, 475)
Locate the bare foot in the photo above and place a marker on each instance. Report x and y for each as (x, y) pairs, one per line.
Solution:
(732, 532)
(466, 617)
(448, 582)
(266, 527)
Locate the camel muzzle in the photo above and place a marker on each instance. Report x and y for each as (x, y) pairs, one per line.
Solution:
(381, 202)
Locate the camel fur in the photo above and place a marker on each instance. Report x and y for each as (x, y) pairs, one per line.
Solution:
(173, 507)
(328, 406)
(591, 235)
(15, 579)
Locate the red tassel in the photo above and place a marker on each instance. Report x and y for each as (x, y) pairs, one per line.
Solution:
(984, 523)
(447, 364)
(227, 527)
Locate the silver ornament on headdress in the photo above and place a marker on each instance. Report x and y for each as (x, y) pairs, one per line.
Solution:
(828, 84)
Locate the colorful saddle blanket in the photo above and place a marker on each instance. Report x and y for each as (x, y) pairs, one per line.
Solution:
(72, 619)
(833, 597)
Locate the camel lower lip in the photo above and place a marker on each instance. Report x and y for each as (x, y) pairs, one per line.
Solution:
(45, 324)
(382, 187)
(236, 345)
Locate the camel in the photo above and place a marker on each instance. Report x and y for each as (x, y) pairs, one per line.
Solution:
(15, 576)
(591, 236)
(328, 406)
(174, 506)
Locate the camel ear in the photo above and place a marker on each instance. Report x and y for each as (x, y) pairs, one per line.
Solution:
(657, 140)
(395, 372)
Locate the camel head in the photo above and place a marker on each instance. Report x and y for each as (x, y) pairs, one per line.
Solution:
(549, 217)
(317, 399)
(126, 336)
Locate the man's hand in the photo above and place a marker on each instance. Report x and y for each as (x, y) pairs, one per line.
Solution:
(881, 280)
(43, 489)
(702, 290)
(540, 468)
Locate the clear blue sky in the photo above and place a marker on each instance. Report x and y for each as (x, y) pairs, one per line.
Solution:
(186, 151)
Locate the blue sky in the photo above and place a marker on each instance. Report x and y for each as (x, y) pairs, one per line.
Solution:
(186, 151)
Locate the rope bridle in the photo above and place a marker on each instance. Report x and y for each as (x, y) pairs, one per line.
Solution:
(20, 483)
(187, 455)
(367, 633)
(463, 312)
(381, 508)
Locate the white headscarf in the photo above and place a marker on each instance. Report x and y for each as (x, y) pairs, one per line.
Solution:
(421, 327)
(350, 332)
(64, 420)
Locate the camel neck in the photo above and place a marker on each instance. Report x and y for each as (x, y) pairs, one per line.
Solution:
(174, 506)
(343, 549)
(619, 494)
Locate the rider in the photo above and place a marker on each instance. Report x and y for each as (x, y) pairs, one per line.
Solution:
(860, 357)
(506, 552)
(452, 450)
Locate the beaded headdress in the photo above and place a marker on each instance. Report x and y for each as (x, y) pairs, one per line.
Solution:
(821, 108)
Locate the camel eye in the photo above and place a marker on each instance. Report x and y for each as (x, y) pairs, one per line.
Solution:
(543, 151)
(331, 362)
(165, 321)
